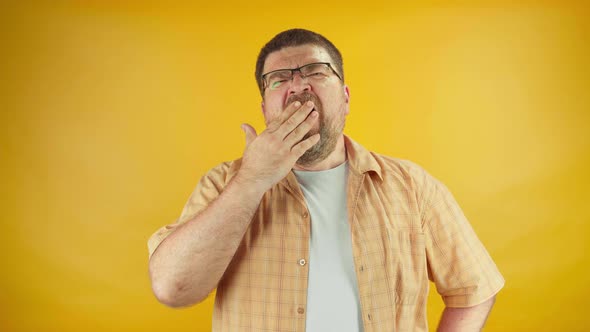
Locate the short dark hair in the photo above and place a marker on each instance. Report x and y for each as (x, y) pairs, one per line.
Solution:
(296, 37)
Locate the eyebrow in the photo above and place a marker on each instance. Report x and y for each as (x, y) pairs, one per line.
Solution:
(298, 65)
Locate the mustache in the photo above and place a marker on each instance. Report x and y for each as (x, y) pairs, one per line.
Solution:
(302, 98)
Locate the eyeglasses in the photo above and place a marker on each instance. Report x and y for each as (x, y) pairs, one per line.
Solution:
(316, 71)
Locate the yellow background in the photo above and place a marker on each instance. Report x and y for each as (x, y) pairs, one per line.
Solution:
(111, 112)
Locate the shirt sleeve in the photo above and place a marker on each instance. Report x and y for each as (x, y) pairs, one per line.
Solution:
(207, 190)
(461, 268)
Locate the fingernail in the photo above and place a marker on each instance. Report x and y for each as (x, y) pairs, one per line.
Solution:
(297, 104)
(309, 103)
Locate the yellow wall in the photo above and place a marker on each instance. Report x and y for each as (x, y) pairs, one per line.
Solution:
(111, 112)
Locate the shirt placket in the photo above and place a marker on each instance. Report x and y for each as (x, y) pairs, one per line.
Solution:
(301, 223)
(354, 190)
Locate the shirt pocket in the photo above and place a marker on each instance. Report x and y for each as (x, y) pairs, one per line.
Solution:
(408, 267)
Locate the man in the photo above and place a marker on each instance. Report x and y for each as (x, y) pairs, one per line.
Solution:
(309, 231)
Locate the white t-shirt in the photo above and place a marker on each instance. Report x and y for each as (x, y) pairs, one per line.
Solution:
(332, 295)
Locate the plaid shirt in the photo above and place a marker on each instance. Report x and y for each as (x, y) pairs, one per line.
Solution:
(406, 229)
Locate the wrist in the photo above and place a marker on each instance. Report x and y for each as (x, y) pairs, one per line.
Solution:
(250, 185)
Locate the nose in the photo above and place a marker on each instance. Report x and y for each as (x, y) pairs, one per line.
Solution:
(298, 84)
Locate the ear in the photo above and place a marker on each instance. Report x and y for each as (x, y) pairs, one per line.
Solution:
(347, 93)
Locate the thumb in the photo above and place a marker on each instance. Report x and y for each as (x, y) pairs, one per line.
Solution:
(250, 133)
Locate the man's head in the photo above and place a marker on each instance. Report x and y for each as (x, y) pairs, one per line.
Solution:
(320, 79)
(296, 37)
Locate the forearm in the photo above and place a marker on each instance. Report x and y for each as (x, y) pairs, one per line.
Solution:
(189, 263)
(465, 319)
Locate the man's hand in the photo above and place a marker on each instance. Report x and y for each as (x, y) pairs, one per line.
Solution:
(270, 156)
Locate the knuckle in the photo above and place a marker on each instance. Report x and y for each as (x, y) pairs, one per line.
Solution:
(283, 149)
(297, 131)
(273, 138)
(291, 121)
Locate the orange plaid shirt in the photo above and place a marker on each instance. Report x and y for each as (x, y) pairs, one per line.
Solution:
(406, 229)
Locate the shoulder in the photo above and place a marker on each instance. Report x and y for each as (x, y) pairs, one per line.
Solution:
(401, 169)
(224, 171)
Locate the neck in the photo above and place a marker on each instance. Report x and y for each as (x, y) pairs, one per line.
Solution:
(337, 157)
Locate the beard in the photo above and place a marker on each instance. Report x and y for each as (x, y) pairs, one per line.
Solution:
(328, 129)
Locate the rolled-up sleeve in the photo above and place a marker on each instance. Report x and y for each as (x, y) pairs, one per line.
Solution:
(458, 263)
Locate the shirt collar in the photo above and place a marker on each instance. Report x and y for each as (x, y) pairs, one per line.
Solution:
(360, 159)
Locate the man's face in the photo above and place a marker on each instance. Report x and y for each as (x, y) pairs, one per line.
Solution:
(329, 95)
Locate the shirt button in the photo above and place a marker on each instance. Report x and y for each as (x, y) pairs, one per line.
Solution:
(305, 215)
(302, 262)
(300, 310)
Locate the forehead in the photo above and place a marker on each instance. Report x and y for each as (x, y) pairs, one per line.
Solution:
(295, 56)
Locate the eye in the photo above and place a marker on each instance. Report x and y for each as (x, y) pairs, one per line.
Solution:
(316, 75)
(277, 84)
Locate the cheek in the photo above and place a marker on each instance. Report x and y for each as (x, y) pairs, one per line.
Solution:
(275, 103)
(271, 112)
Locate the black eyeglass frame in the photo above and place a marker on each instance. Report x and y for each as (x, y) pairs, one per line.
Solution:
(263, 76)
